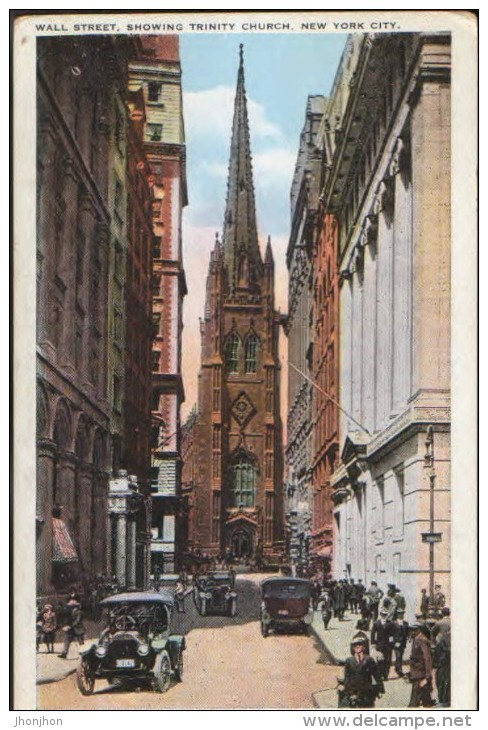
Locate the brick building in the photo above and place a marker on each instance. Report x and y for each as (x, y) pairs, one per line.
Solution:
(237, 435)
(156, 75)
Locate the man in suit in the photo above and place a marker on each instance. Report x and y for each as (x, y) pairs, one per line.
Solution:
(382, 640)
(421, 668)
(400, 632)
(75, 628)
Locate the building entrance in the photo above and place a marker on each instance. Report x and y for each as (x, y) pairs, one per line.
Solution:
(241, 544)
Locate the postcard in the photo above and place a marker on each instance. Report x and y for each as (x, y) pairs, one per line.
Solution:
(245, 362)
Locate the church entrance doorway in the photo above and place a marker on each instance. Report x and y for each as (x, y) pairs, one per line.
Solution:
(241, 544)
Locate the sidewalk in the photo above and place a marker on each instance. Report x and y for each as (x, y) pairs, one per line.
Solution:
(51, 668)
(335, 642)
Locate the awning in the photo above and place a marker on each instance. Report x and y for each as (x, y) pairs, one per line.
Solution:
(64, 550)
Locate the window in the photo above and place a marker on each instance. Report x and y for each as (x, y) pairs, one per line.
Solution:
(154, 92)
(251, 354)
(117, 393)
(380, 509)
(399, 505)
(156, 357)
(156, 320)
(156, 284)
(243, 484)
(154, 132)
(232, 353)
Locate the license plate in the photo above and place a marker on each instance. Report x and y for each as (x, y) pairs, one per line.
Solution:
(125, 663)
(283, 612)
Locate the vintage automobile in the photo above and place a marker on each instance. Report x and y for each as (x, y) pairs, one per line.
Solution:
(136, 646)
(214, 593)
(286, 604)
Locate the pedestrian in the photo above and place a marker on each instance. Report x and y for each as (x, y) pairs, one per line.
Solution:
(443, 626)
(421, 668)
(325, 608)
(339, 600)
(382, 640)
(401, 604)
(374, 595)
(316, 592)
(39, 633)
(441, 660)
(400, 631)
(48, 625)
(353, 599)
(439, 600)
(424, 602)
(180, 596)
(74, 629)
(362, 682)
(388, 602)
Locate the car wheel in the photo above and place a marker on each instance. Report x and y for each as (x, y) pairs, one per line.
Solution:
(85, 677)
(264, 629)
(179, 668)
(162, 672)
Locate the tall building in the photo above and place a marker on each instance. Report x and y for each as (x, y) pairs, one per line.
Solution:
(389, 189)
(78, 82)
(237, 436)
(156, 73)
(300, 261)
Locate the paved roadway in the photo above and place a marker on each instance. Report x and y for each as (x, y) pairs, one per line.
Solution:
(228, 665)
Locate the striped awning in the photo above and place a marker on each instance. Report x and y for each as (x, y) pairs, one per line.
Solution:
(64, 550)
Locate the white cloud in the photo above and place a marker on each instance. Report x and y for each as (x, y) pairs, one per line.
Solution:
(275, 166)
(208, 113)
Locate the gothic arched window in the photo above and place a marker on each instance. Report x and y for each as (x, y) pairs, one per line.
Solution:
(251, 356)
(243, 483)
(232, 353)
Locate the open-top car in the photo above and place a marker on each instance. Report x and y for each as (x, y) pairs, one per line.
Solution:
(136, 645)
(286, 603)
(214, 593)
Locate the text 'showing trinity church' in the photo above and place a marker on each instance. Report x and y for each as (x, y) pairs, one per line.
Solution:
(237, 436)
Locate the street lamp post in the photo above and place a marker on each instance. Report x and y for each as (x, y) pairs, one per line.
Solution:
(431, 537)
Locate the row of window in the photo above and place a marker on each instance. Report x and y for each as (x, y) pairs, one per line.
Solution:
(233, 353)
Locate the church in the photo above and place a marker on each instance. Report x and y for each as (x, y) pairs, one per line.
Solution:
(237, 482)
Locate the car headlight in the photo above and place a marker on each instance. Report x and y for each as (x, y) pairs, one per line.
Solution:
(101, 650)
(143, 649)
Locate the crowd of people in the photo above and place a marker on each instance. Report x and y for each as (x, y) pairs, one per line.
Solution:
(381, 626)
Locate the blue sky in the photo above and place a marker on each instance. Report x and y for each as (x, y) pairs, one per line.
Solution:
(281, 70)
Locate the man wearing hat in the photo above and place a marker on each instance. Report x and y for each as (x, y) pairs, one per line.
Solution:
(389, 603)
(400, 601)
(442, 658)
(400, 630)
(382, 640)
(362, 680)
(439, 600)
(75, 629)
(421, 667)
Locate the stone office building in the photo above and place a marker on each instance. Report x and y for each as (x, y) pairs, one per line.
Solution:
(299, 507)
(73, 213)
(237, 435)
(389, 187)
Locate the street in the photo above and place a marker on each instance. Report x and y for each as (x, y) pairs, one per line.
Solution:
(228, 665)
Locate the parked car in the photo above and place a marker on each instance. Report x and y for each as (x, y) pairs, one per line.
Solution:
(214, 593)
(286, 603)
(136, 646)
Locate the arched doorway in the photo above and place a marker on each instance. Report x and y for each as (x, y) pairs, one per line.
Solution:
(241, 543)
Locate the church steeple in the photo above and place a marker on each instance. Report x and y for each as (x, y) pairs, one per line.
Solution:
(242, 258)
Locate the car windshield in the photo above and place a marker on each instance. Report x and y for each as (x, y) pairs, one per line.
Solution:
(142, 617)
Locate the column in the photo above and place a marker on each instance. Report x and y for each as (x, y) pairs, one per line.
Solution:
(121, 547)
(66, 350)
(131, 552)
(345, 353)
(384, 310)
(65, 486)
(46, 450)
(369, 339)
(84, 523)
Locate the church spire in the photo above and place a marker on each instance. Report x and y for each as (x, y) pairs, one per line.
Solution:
(242, 257)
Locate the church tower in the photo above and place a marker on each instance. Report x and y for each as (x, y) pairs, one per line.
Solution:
(237, 493)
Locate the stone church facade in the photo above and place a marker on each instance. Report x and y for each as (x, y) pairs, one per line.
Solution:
(237, 435)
